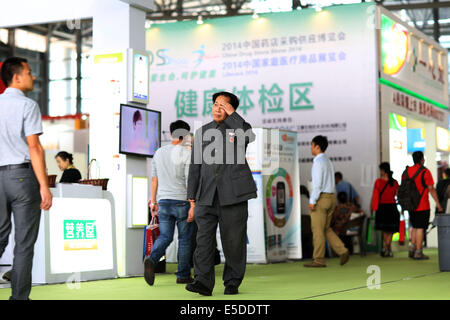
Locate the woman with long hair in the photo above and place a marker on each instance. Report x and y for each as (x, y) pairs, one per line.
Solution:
(384, 204)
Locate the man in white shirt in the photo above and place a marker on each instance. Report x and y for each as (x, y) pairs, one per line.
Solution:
(322, 204)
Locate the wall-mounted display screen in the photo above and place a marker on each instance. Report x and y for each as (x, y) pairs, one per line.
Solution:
(140, 131)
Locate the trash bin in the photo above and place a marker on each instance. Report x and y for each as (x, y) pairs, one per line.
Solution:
(442, 221)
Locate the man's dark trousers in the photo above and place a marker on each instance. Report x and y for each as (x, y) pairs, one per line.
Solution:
(232, 220)
(19, 194)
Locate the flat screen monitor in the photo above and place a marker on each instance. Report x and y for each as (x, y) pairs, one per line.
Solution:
(140, 131)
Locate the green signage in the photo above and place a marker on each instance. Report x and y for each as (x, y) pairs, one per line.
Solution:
(80, 230)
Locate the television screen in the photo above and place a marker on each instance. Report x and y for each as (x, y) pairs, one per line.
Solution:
(140, 131)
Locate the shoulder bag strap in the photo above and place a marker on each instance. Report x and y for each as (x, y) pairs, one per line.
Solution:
(384, 188)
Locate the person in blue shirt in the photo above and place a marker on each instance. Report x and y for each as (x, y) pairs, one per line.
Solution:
(24, 189)
(322, 204)
(344, 186)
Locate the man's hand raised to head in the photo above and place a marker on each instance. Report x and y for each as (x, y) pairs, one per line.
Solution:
(228, 108)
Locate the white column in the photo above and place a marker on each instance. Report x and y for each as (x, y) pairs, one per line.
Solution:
(431, 164)
(115, 29)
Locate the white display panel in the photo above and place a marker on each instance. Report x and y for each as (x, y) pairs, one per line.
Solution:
(398, 153)
(80, 235)
(139, 63)
(442, 139)
(139, 202)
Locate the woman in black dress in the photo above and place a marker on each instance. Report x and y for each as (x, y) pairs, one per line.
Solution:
(65, 163)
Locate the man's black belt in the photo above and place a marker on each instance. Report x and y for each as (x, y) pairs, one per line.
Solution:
(15, 166)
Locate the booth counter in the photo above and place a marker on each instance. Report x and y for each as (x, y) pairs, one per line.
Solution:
(75, 241)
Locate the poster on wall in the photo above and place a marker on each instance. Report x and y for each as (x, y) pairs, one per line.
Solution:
(304, 71)
(442, 139)
(281, 199)
(139, 82)
(398, 152)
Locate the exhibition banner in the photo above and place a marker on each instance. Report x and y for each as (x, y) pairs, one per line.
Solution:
(282, 199)
(305, 71)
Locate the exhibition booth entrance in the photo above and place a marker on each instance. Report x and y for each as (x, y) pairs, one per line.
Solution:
(408, 134)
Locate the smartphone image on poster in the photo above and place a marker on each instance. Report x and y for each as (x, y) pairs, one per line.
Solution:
(281, 197)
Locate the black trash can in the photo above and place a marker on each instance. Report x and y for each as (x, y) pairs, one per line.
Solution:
(442, 221)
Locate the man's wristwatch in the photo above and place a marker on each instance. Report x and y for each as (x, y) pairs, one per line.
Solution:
(152, 204)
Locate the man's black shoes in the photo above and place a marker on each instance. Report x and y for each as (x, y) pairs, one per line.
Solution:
(149, 271)
(231, 290)
(198, 287)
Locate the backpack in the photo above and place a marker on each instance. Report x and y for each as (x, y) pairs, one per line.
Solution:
(408, 195)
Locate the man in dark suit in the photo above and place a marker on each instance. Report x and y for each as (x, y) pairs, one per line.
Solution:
(219, 185)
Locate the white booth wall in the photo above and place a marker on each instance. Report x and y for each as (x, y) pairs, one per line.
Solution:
(117, 26)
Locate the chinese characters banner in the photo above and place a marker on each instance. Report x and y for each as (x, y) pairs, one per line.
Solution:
(305, 71)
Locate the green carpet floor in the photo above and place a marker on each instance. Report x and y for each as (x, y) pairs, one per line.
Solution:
(400, 277)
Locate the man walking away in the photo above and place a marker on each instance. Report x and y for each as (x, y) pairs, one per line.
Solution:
(420, 217)
(322, 204)
(170, 169)
(24, 187)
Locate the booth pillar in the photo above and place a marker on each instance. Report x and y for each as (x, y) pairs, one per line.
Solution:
(116, 29)
(431, 164)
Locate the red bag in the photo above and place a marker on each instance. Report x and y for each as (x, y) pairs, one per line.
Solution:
(2, 85)
(151, 233)
(401, 239)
